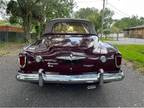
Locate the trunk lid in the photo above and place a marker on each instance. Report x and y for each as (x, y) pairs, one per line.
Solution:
(66, 55)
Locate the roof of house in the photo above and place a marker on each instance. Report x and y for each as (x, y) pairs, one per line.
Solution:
(136, 27)
(11, 29)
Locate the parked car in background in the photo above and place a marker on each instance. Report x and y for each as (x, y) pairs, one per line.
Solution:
(70, 52)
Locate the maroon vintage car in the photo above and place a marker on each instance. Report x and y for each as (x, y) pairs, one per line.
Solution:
(70, 52)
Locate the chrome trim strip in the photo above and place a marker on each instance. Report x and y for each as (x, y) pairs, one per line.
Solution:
(88, 65)
(50, 60)
(78, 54)
(71, 79)
(50, 63)
(93, 58)
(110, 58)
(70, 57)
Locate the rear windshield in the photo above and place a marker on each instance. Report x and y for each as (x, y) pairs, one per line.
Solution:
(70, 27)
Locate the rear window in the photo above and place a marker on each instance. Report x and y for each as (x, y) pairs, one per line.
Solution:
(70, 28)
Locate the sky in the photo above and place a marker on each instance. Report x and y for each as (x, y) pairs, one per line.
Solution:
(121, 8)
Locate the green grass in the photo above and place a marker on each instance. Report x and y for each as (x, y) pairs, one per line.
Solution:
(133, 53)
(106, 39)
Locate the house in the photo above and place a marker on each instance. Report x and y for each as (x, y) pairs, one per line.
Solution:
(134, 32)
(11, 33)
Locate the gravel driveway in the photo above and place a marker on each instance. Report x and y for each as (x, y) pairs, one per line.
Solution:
(129, 92)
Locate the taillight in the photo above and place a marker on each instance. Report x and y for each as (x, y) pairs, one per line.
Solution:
(118, 60)
(22, 60)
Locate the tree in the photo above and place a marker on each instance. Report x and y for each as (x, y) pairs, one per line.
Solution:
(95, 16)
(21, 11)
(3, 4)
(35, 13)
(108, 21)
(90, 14)
(54, 9)
(128, 22)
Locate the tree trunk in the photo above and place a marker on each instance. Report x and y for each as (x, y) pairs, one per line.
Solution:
(117, 36)
(38, 30)
(28, 36)
(27, 32)
(27, 28)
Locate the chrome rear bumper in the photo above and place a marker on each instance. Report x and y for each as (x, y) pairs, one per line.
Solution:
(41, 78)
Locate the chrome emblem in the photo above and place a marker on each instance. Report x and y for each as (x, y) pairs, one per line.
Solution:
(51, 64)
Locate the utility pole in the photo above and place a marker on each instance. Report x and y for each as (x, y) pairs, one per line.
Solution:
(103, 15)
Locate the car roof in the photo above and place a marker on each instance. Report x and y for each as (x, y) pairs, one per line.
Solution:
(50, 24)
(69, 20)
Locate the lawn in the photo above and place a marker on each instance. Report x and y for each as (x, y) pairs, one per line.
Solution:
(10, 48)
(133, 53)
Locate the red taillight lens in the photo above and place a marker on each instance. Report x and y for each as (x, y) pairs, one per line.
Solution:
(22, 60)
(118, 60)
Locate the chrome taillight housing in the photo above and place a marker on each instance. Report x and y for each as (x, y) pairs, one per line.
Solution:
(22, 60)
(118, 60)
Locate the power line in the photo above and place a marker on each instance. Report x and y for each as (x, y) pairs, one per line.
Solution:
(122, 15)
(106, 3)
(90, 1)
(118, 9)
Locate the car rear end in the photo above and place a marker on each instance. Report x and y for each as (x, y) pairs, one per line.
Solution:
(70, 67)
(70, 52)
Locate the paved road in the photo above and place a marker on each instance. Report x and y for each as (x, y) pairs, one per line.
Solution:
(128, 41)
(129, 92)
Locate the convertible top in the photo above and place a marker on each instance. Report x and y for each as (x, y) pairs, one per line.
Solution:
(51, 23)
